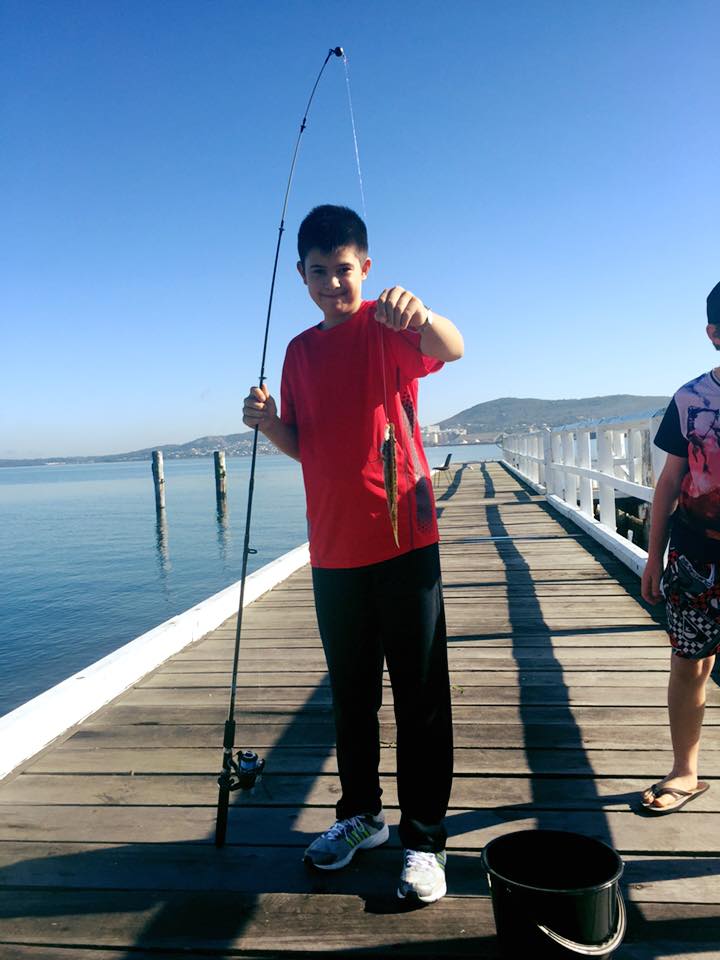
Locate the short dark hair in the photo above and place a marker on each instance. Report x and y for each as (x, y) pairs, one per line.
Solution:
(328, 227)
(713, 305)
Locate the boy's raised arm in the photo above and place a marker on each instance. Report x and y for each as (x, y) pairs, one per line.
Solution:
(441, 339)
(399, 309)
(260, 410)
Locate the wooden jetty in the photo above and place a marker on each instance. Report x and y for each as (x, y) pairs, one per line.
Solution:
(559, 682)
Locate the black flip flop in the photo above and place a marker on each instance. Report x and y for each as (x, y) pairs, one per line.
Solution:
(681, 797)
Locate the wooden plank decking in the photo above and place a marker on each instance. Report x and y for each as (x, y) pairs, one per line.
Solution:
(559, 676)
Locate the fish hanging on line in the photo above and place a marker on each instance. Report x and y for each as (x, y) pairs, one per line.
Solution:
(390, 477)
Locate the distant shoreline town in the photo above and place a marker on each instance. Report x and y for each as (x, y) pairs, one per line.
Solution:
(233, 446)
(484, 423)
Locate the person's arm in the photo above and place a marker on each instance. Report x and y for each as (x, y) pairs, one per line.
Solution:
(260, 410)
(399, 309)
(665, 498)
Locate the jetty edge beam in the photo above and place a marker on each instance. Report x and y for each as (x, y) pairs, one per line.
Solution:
(35, 724)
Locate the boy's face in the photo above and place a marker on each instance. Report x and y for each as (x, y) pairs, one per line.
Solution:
(334, 280)
(713, 332)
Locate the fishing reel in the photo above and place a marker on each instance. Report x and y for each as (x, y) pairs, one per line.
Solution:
(241, 774)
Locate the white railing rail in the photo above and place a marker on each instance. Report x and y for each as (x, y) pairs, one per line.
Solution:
(576, 465)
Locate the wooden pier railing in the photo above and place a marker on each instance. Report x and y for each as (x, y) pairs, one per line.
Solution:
(583, 468)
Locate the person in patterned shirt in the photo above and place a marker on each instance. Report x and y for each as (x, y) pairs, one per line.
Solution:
(686, 512)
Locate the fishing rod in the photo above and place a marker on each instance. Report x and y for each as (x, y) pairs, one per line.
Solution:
(241, 773)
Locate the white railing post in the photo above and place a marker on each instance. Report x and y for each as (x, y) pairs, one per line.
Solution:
(540, 454)
(606, 465)
(584, 460)
(568, 449)
(657, 456)
(556, 454)
(547, 457)
(635, 452)
(530, 466)
(618, 444)
(507, 449)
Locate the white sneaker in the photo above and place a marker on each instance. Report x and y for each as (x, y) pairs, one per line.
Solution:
(423, 876)
(337, 846)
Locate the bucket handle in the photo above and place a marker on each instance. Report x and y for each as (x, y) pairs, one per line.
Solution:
(591, 949)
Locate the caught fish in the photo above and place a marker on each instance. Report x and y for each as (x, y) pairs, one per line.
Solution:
(390, 477)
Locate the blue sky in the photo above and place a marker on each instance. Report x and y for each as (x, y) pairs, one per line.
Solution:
(544, 173)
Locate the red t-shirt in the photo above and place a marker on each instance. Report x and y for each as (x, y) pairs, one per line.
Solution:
(333, 392)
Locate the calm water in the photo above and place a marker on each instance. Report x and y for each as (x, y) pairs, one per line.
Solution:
(86, 567)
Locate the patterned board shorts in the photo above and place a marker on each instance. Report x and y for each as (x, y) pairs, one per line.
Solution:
(692, 601)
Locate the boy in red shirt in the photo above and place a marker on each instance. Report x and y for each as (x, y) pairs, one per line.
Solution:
(342, 381)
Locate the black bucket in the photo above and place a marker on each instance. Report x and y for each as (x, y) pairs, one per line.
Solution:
(555, 895)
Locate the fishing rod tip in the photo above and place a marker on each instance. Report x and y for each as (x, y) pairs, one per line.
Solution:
(338, 51)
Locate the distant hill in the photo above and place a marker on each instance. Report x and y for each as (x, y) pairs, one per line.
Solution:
(202, 446)
(513, 414)
(234, 444)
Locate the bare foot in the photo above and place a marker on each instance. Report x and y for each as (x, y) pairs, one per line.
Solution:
(687, 782)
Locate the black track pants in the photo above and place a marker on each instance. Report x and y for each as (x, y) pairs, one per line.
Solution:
(392, 609)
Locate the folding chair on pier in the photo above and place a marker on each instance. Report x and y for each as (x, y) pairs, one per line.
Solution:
(443, 471)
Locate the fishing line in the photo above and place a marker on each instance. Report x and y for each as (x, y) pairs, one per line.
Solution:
(242, 773)
(364, 209)
(354, 132)
(387, 448)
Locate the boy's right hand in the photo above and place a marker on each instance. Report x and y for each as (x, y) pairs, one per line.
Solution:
(650, 583)
(259, 408)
